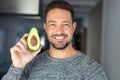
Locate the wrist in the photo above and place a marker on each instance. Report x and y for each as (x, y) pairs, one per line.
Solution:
(18, 66)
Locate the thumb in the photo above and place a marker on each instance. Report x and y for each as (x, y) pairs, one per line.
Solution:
(35, 53)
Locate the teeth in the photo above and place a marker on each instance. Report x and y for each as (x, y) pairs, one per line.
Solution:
(59, 37)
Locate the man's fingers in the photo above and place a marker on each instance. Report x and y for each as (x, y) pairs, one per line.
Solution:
(39, 49)
(15, 49)
(21, 46)
(24, 42)
(35, 53)
(25, 36)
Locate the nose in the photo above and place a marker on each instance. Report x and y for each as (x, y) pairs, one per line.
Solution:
(60, 29)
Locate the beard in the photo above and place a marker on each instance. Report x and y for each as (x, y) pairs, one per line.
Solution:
(60, 45)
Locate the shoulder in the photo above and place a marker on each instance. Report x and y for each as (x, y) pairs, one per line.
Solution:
(88, 63)
(86, 60)
(93, 70)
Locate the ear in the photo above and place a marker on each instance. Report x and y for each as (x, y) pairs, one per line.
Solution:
(44, 26)
(74, 25)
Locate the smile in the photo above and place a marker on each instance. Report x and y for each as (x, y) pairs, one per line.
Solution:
(59, 37)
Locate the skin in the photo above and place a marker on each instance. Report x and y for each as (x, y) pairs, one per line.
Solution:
(59, 29)
(20, 54)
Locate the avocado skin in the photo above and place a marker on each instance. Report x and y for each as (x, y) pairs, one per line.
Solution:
(33, 32)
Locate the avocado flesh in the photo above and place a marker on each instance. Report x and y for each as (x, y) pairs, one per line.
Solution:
(33, 40)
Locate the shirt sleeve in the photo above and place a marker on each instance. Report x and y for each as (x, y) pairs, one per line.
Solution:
(13, 74)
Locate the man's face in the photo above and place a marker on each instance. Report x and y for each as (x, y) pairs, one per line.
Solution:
(59, 28)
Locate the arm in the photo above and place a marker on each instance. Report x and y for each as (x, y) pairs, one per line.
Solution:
(13, 74)
(21, 56)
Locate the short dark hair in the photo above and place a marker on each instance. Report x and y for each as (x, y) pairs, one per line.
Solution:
(61, 4)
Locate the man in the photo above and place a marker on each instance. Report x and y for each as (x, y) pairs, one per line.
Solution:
(61, 61)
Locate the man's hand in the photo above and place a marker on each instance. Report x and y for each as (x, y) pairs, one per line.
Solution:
(20, 54)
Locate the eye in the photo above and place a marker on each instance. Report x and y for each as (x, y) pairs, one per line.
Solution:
(52, 25)
(66, 25)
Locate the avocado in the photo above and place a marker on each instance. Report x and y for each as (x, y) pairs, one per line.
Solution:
(33, 39)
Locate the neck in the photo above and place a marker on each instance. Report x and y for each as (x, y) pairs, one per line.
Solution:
(68, 52)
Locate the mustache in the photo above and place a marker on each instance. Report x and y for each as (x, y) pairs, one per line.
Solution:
(59, 35)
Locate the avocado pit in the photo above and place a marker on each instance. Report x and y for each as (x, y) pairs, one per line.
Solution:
(33, 41)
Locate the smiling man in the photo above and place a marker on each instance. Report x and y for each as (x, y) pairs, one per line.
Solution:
(60, 27)
(61, 61)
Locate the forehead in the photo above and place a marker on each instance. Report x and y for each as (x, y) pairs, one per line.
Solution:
(55, 22)
(59, 14)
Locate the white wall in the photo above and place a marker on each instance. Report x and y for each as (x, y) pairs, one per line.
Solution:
(94, 33)
(111, 39)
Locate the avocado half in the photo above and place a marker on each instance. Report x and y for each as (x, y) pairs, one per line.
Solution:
(33, 40)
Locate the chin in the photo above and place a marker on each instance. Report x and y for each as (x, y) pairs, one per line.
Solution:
(60, 47)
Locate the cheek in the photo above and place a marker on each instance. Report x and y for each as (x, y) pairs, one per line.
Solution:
(70, 32)
(48, 32)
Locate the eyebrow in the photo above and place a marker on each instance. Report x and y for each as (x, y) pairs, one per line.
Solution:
(51, 22)
(62, 22)
(67, 22)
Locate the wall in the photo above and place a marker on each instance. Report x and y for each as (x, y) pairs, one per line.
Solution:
(111, 39)
(94, 33)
